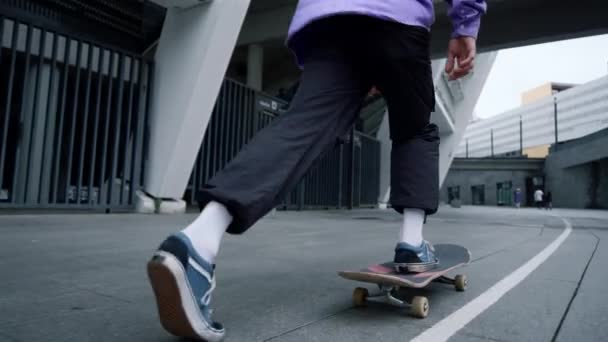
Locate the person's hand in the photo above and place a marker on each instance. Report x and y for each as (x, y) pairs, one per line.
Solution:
(461, 55)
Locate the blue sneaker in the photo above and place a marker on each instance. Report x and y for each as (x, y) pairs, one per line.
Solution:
(415, 259)
(183, 282)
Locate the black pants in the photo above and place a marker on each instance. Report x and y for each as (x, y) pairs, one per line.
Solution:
(343, 57)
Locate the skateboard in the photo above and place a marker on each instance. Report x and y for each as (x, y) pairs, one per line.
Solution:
(390, 281)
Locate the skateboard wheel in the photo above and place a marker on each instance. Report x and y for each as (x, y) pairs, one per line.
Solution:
(420, 307)
(460, 282)
(360, 296)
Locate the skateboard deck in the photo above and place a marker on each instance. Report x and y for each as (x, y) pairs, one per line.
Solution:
(450, 257)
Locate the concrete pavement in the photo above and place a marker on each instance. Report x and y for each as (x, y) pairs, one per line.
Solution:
(81, 277)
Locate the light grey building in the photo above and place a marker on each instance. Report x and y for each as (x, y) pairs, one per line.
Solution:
(579, 111)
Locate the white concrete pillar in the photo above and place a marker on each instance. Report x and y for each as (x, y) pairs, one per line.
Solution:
(255, 66)
(192, 57)
(462, 111)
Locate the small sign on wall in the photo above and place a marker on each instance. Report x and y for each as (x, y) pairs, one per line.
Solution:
(271, 105)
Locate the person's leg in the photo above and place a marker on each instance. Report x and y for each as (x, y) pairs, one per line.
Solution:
(207, 230)
(415, 187)
(270, 166)
(279, 156)
(323, 110)
(411, 230)
(404, 77)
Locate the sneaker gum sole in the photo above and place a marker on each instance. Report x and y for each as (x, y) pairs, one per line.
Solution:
(170, 309)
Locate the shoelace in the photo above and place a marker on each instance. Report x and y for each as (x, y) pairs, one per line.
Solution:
(206, 299)
(427, 247)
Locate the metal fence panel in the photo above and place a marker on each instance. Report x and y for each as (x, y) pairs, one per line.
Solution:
(369, 171)
(73, 126)
(72, 121)
(8, 101)
(227, 133)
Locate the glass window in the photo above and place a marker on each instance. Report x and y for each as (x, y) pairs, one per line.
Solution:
(504, 193)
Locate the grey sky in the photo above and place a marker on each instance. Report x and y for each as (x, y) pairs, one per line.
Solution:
(520, 69)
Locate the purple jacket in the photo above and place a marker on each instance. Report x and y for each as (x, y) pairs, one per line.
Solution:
(465, 14)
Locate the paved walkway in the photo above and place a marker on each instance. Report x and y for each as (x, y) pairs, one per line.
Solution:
(82, 277)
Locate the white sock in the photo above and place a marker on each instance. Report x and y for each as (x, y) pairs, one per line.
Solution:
(411, 232)
(207, 230)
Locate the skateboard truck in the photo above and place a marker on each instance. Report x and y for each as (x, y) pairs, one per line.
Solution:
(418, 305)
(459, 282)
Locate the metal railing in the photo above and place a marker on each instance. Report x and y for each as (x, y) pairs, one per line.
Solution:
(369, 167)
(233, 123)
(73, 117)
(347, 176)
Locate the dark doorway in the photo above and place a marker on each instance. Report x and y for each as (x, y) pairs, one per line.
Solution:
(478, 195)
(533, 183)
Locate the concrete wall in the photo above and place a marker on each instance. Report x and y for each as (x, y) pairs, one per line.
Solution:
(570, 186)
(470, 172)
(578, 186)
(602, 192)
(588, 149)
(489, 178)
(581, 186)
(577, 172)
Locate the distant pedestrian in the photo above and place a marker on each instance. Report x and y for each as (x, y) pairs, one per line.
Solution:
(549, 201)
(538, 198)
(517, 197)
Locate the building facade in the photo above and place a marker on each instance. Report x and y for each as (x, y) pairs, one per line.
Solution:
(551, 113)
(487, 181)
(555, 142)
(575, 172)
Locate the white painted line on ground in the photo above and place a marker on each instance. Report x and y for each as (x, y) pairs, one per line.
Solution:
(451, 324)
